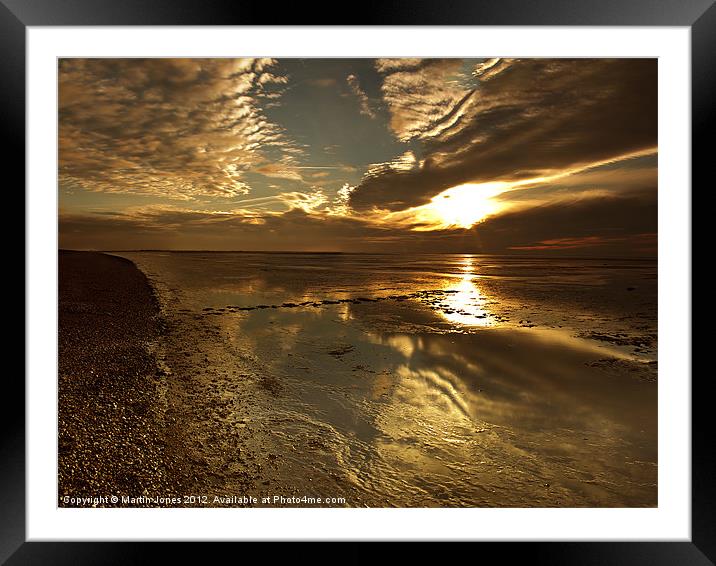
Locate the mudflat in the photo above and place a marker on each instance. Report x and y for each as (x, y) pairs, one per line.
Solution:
(201, 379)
(392, 381)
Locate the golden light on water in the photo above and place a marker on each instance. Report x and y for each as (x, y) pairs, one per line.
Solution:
(465, 305)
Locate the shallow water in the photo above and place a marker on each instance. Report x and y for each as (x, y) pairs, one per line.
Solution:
(436, 380)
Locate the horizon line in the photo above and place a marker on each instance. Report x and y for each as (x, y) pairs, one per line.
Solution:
(296, 252)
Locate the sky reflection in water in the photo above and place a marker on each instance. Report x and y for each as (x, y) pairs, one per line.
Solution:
(429, 400)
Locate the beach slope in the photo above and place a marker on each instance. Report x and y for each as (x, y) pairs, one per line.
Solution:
(110, 421)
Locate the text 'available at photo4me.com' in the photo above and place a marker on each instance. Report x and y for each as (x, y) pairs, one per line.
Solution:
(270, 500)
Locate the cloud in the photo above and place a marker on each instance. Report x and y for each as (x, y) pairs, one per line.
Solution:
(637, 175)
(310, 201)
(641, 241)
(568, 147)
(279, 171)
(178, 128)
(307, 202)
(620, 225)
(491, 68)
(420, 94)
(173, 228)
(597, 226)
(522, 119)
(354, 86)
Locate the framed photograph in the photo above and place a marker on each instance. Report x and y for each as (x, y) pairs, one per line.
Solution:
(425, 276)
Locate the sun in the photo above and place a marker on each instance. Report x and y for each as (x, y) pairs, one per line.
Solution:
(461, 206)
(466, 205)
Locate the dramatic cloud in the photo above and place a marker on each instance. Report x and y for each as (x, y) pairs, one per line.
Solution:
(546, 156)
(523, 119)
(177, 128)
(609, 226)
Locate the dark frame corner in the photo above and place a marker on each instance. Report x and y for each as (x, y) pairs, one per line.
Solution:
(699, 15)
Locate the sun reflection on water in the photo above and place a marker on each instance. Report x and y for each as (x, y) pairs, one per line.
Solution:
(464, 302)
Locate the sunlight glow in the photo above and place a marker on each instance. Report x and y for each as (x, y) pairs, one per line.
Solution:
(466, 205)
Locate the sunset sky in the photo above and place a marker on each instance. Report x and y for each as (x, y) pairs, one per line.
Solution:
(543, 156)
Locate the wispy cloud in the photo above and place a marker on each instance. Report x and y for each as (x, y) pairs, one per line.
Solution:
(362, 97)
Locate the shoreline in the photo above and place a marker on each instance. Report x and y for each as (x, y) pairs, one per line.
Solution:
(111, 428)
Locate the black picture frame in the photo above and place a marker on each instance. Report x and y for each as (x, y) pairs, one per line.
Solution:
(699, 15)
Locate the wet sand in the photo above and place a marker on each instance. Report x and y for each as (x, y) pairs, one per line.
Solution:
(382, 384)
(243, 376)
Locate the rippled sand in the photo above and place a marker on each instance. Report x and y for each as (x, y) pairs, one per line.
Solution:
(422, 381)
